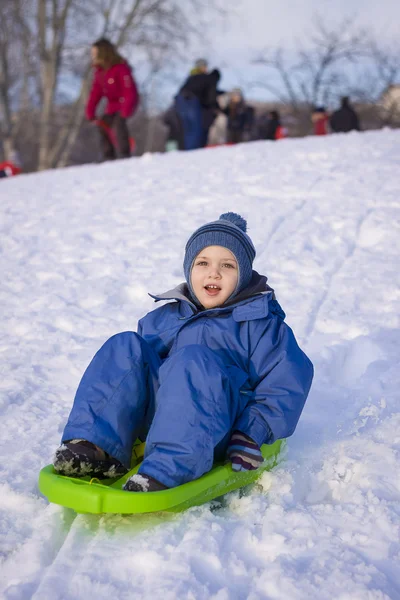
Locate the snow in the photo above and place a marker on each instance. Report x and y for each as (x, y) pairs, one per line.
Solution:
(80, 249)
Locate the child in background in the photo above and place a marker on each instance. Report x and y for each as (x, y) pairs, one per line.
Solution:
(320, 121)
(214, 373)
(237, 113)
(272, 129)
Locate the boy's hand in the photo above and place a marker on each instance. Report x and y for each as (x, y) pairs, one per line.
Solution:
(244, 454)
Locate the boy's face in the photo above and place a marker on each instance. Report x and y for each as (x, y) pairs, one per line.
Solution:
(214, 276)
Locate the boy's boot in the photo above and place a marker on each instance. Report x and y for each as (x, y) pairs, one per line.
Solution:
(143, 483)
(80, 458)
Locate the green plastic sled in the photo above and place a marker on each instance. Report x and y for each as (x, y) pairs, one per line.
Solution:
(107, 496)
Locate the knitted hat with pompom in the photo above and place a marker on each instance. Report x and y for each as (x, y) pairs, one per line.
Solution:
(230, 232)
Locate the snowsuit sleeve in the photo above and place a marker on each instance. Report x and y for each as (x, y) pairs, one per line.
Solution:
(96, 94)
(130, 96)
(281, 375)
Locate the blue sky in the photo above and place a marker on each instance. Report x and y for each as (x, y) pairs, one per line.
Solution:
(264, 22)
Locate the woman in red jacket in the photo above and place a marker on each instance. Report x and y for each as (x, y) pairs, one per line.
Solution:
(112, 80)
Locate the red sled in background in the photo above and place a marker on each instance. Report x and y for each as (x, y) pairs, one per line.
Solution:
(8, 169)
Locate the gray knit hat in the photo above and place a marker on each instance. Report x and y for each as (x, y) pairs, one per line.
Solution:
(229, 231)
(201, 63)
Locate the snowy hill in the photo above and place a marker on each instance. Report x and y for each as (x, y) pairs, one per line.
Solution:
(80, 249)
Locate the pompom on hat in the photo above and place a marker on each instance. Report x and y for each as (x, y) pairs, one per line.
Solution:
(230, 232)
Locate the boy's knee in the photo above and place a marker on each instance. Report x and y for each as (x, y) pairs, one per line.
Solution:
(133, 347)
(126, 340)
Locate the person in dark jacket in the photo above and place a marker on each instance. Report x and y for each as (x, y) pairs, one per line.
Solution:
(214, 373)
(345, 118)
(270, 127)
(175, 127)
(238, 117)
(196, 105)
(112, 79)
(249, 132)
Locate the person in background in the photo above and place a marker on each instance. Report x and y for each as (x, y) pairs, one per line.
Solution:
(238, 117)
(113, 80)
(320, 120)
(175, 136)
(345, 118)
(196, 105)
(271, 129)
(249, 133)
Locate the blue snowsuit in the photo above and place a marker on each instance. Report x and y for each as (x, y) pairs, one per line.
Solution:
(189, 378)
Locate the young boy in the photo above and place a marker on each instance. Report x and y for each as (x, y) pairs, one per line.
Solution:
(216, 372)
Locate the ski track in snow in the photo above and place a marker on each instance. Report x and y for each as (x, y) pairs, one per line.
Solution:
(330, 275)
(79, 250)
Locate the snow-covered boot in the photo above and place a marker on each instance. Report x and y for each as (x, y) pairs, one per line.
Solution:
(143, 483)
(80, 458)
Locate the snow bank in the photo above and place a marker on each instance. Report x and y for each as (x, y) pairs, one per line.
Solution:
(80, 249)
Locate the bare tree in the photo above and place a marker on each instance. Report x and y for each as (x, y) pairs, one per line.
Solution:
(318, 71)
(5, 80)
(377, 81)
(52, 47)
(333, 62)
(52, 21)
(11, 62)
